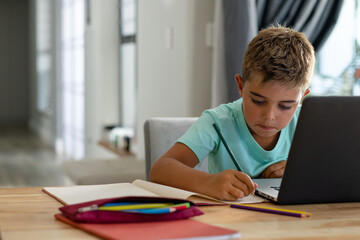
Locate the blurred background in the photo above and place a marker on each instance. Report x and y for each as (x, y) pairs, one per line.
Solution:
(78, 78)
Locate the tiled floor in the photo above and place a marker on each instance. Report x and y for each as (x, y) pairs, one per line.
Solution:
(26, 162)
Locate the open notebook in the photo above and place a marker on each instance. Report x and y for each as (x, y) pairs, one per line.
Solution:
(84, 193)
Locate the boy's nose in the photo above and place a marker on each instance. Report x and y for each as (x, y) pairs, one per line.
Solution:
(269, 114)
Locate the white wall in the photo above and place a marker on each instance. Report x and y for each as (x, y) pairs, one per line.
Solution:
(175, 81)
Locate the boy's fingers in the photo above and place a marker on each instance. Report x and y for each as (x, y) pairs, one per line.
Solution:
(278, 173)
(274, 170)
(245, 179)
(239, 186)
(268, 172)
(237, 193)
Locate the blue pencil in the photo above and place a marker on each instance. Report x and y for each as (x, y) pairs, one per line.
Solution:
(120, 203)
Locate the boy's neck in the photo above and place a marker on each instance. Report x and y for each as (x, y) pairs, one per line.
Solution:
(267, 143)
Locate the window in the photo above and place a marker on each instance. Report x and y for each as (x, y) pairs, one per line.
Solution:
(128, 63)
(338, 62)
(44, 47)
(73, 79)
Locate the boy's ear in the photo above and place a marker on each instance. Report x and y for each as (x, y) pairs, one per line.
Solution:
(240, 83)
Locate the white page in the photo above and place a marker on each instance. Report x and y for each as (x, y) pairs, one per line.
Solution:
(84, 193)
(166, 191)
(248, 199)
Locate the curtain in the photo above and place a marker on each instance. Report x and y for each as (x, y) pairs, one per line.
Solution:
(236, 22)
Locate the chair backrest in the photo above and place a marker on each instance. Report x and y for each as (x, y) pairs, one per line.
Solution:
(160, 134)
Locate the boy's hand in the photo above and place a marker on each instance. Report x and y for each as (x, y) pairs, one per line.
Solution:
(230, 185)
(274, 171)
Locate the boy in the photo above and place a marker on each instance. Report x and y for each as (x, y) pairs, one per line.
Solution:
(277, 69)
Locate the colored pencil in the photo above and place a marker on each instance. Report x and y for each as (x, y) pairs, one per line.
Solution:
(170, 209)
(153, 210)
(134, 206)
(231, 154)
(180, 206)
(137, 206)
(285, 212)
(121, 203)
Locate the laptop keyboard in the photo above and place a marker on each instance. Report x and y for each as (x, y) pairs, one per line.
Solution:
(276, 188)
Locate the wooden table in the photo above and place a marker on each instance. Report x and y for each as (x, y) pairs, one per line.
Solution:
(28, 213)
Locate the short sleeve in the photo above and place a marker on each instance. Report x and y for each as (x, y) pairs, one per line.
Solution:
(201, 138)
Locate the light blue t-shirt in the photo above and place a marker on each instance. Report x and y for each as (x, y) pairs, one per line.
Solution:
(203, 140)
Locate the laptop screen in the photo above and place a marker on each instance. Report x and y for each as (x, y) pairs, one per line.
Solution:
(324, 160)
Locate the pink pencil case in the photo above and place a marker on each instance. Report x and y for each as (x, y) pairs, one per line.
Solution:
(87, 212)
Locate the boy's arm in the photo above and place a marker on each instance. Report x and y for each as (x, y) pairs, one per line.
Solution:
(176, 168)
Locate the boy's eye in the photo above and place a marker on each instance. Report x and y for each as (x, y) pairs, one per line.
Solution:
(282, 107)
(257, 102)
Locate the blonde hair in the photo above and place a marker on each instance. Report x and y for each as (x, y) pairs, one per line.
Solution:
(280, 54)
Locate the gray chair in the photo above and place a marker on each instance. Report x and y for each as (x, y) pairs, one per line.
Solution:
(160, 134)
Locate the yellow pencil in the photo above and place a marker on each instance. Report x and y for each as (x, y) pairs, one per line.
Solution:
(277, 209)
(286, 212)
(134, 206)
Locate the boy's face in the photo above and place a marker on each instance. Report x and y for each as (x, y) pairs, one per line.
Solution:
(269, 107)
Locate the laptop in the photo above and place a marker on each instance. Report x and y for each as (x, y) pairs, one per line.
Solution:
(324, 160)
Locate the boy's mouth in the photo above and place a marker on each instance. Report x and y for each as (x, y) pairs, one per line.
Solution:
(265, 127)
